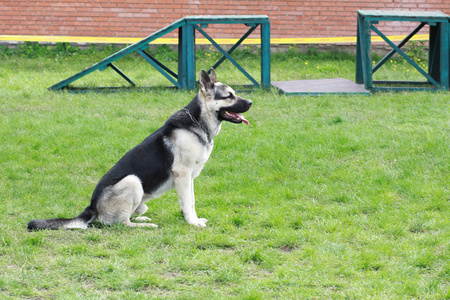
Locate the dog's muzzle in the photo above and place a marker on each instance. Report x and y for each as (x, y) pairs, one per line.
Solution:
(233, 113)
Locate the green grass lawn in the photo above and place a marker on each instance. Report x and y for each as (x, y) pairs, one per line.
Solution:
(331, 197)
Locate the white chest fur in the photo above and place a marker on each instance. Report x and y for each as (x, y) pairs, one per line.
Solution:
(190, 153)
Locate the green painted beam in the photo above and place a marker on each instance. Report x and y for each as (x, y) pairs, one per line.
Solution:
(265, 55)
(112, 66)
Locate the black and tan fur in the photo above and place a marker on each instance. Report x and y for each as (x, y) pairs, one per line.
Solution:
(171, 157)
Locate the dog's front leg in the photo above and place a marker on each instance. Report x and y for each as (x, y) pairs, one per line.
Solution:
(184, 185)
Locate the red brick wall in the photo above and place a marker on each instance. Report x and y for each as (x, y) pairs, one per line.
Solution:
(140, 18)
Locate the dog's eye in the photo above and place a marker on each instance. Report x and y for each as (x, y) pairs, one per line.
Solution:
(230, 96)
(224, 97)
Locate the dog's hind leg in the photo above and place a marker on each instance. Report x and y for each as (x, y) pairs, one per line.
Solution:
(140, 210)
(119, 201)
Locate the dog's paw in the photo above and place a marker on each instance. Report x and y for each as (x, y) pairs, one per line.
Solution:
(150, 225)
(131, 224)
(142, 219)
(200, 222)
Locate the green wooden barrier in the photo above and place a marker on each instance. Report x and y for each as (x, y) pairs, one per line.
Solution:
(438, 67)
(186, 76)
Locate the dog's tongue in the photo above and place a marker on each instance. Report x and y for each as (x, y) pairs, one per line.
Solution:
(239, 116)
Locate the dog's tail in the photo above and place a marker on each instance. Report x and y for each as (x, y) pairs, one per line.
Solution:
(81, 222)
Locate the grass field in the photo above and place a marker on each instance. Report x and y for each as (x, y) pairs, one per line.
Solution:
(333, 197)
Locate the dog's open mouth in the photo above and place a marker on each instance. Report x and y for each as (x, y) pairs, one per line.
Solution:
(233, 117)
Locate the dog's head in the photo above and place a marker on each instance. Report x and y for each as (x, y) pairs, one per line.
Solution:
(222, 100)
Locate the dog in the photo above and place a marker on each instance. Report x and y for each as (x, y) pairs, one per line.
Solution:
(171, 157)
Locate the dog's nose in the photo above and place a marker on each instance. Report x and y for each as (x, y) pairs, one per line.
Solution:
(246, 101)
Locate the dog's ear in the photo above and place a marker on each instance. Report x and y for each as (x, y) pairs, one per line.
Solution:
(205, 81)
(212, 75)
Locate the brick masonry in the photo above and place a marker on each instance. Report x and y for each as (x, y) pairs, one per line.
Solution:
(140, 18)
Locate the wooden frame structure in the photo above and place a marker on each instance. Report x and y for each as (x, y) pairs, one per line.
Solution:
(186, 76)
(438, 65)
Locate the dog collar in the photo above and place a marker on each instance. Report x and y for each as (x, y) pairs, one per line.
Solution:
(192, 118)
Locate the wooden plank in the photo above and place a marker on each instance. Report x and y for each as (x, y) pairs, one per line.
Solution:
(403, 14)
(445, 55)
(402, 82)
(404, 89)
(189, 48)
(265, 55)
(159, 68)
(359, 72)
(367, 53)
(160, 64)
(181, 58)
(320, 86)
(112, 66)
(230, 19)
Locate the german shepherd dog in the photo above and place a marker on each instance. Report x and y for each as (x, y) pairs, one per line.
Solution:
(170, 157)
